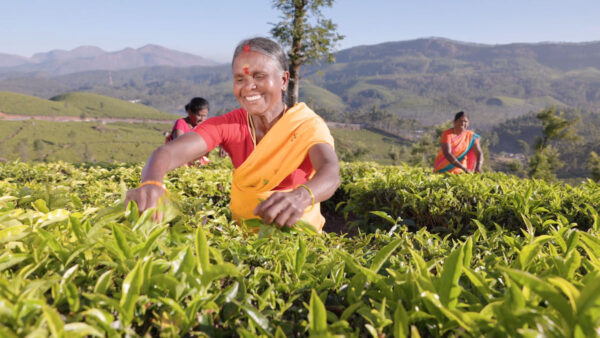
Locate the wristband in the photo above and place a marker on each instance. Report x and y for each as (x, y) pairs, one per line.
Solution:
(156, 183)
(312, 196)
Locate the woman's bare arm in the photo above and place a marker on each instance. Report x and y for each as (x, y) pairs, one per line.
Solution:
(164, 159)
(479, 157)
(178, 132)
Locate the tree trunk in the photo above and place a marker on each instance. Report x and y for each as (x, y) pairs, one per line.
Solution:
(295, 54)
(294, 85)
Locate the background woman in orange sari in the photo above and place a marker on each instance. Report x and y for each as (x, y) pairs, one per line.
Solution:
(460, 151)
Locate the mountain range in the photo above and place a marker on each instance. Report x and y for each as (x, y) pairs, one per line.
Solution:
(86, 58)
(425, 79)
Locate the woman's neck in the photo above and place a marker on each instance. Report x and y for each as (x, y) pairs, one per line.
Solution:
(265, 122)
(458, 131)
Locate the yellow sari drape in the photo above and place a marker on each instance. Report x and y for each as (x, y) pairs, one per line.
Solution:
(280, 152)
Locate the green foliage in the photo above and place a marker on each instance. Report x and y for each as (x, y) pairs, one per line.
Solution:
(518, 137)
(545, 161)
(555, 127)
(593, 165)
(424, 151)
(449, 203)
(75, 262)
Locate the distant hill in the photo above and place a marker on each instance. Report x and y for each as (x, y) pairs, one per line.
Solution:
(424, 79)
(86, 58)
(86, 105)
(429, 79)
(8, 60)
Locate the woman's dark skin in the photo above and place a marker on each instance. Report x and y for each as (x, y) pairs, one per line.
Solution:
(460, 125)
(258, 85)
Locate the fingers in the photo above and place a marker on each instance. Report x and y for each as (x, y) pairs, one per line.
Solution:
(288, 218)
(145, 197)
(157, 216)
(282, 208)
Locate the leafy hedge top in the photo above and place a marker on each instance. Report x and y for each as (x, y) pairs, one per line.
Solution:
(74, 262)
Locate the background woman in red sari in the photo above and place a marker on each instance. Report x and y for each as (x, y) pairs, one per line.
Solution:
(460, 151)
(197, 111)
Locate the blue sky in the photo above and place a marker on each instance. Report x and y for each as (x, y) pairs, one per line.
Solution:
(212, 28)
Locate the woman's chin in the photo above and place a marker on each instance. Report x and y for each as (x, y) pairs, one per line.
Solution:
(253, 110)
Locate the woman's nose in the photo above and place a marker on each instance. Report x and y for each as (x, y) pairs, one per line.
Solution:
(249, 84)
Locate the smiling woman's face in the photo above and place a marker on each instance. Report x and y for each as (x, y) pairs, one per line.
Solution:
(258, 83)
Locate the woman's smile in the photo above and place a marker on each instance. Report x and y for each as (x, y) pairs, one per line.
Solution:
(253, 98)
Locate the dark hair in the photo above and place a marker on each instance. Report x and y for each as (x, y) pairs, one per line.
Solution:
(196, 104)
(266, 47)
(459, 115)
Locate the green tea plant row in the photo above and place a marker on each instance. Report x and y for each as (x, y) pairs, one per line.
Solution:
(75, 262)
(449, 203)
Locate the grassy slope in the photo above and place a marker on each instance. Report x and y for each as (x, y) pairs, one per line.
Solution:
(13, 103)
(319, 97)
(377, 144)
(94, 105)
(77, 104)
(79, 141)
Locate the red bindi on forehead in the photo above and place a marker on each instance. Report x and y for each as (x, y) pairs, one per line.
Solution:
(245, 68)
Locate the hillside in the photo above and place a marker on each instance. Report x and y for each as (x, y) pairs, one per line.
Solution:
(428, 79)
(84, 105)
(424, 79)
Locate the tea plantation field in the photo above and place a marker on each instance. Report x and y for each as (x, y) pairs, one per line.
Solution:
(426, 256)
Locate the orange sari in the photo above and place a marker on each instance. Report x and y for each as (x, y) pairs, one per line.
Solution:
(461, 146)
(279, 153)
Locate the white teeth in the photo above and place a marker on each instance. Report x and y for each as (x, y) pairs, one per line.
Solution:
(253, 98)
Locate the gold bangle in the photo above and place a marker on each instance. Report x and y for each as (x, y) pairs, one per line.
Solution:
(156, 183)
(312, 196)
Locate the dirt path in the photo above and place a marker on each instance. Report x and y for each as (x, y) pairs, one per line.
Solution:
(16, 117)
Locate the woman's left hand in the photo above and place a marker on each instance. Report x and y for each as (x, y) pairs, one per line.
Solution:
(284, 208)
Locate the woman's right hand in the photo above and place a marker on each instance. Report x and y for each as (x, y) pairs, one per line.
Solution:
(145, 197)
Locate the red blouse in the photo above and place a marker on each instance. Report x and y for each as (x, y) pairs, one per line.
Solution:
(231, 132)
